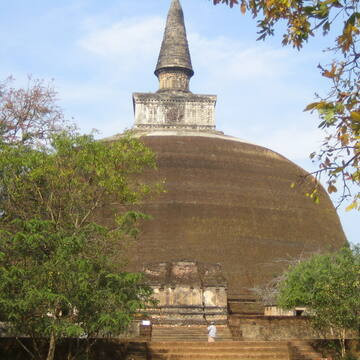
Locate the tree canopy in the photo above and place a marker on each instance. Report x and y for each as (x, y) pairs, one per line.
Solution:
(29, 115)
(57, 284)
(328, 285)
(61, 270)
(339, 109)
(68, 181)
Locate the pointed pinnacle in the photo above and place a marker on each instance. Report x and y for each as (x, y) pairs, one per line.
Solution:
(174, 52)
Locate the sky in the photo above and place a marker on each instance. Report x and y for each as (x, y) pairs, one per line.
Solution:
(99, 52)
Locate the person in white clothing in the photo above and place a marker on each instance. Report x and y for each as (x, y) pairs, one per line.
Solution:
(211, 332)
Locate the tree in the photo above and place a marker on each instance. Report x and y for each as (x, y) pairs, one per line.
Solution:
(328, 285)
(57, 272)
(30, 115)
(61, 270)
(72, 179)
(339, 110)
(55, 284)
(267, 293)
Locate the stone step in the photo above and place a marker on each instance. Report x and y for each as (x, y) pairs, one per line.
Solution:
(308, 356)
(220, 350)
(192, 329)
(170, 331)
(232, 357)
(220, 356)
(206, 357)
(253, 344)
(202, 333)
(188, 333)
(215, 346)
(191, 339)
(176, 336)
(225, 350)
(303, 350)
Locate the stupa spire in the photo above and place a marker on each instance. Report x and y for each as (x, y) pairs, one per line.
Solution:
(173, 106)
(174, 68)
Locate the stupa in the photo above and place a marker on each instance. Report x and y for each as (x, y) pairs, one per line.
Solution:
(227, 201)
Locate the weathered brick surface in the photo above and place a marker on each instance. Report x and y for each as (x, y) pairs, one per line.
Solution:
(231, 203)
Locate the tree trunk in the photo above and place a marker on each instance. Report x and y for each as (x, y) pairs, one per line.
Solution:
(51, 352)
(343, 343)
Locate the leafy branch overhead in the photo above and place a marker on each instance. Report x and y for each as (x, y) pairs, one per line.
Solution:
(339, 109)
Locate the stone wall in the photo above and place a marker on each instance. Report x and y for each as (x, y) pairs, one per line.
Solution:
(275, 311)
(274, 328)
(271, 328)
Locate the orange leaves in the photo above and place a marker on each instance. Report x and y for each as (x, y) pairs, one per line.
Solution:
(355, 115)
(331, 189)
(231, 3)
(312, 106)
(344, 139)
(350, 31)
(243, 7)
(302, 19)
(338, 110)
(329, 74)
(346, 39)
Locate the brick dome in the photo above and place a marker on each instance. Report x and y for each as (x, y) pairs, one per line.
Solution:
(227, 201)
(231, 202)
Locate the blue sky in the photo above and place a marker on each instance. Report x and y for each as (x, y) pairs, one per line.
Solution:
(99, 52)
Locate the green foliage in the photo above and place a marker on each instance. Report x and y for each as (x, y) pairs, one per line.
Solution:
(329, 287)
(67, 182)
(350, 357)
(338, 110)
(61, 269)
(56, 281)
(303, 18)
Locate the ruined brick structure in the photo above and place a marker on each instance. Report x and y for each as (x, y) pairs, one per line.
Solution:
(187, 292)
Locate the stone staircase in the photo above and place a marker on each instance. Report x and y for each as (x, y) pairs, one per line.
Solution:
(302, 350)
(162, 333)
(225, 350)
